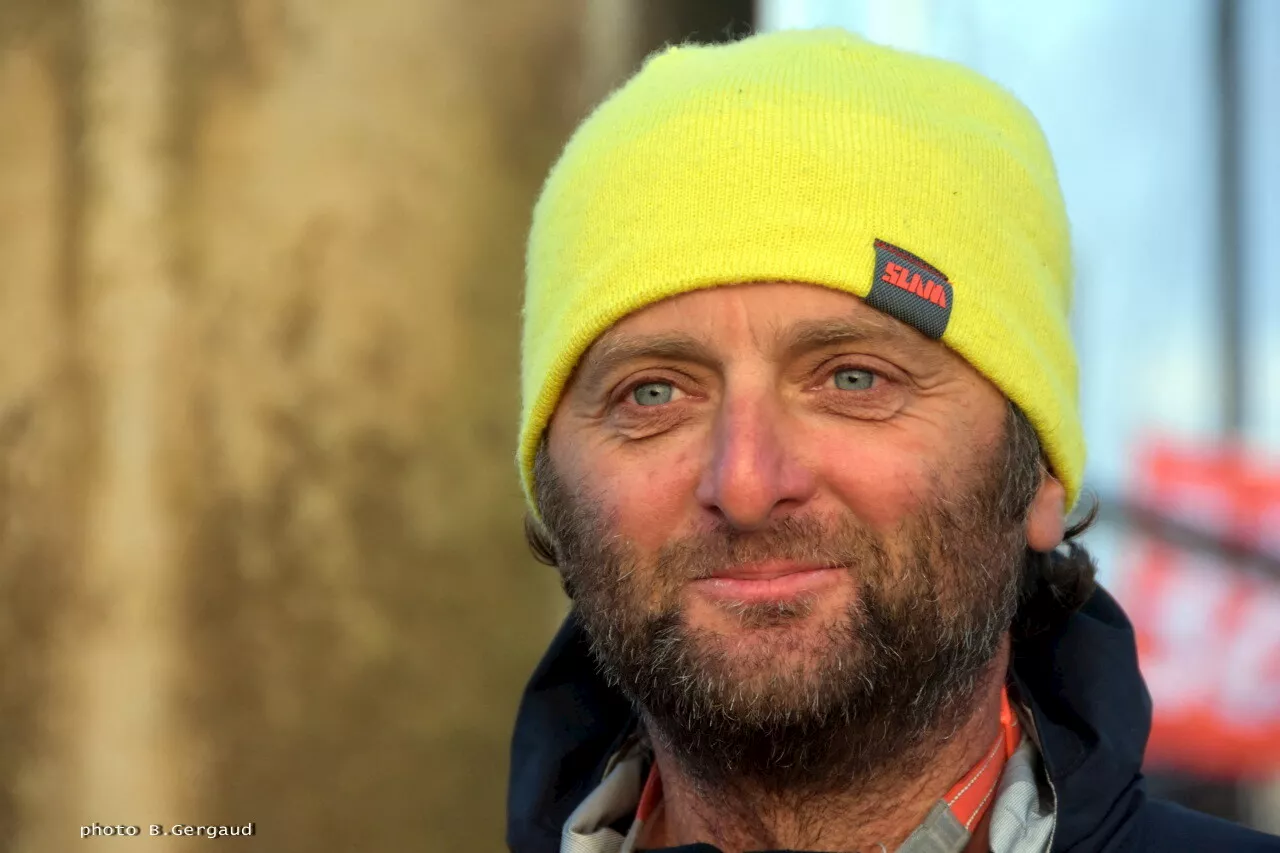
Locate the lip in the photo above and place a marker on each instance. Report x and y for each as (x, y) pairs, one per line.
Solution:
(768, 570)
(771, 581)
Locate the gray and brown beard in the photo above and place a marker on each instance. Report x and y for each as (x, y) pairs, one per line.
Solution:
(878, 686)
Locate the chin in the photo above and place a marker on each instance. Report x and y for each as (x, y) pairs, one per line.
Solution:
(770, 641)
(772, 620)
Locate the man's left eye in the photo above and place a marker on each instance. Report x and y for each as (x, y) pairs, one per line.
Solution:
(853, 379)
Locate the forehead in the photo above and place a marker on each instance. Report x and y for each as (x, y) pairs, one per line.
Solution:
(764, 315)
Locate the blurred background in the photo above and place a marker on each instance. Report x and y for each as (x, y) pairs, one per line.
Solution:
(260, 270)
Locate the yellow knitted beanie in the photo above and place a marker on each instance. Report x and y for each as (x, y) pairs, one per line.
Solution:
(811, 156)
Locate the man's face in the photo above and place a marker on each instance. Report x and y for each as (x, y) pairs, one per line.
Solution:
(784, 520)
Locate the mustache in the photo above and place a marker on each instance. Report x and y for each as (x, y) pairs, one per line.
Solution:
(806, 539)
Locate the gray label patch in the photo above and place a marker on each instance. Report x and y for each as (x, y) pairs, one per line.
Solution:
(910, 290)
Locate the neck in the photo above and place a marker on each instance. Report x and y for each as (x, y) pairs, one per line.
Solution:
(863, 817)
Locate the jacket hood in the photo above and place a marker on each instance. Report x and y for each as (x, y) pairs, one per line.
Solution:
(1089, 703)
(1092, 714)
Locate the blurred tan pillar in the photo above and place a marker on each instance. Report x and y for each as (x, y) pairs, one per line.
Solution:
(118, 657)
(261, 555)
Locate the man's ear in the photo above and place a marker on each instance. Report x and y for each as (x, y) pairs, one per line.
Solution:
(1047, 515)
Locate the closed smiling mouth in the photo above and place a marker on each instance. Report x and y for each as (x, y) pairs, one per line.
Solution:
(769, 581)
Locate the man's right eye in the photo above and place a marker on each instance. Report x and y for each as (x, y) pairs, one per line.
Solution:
(653, 393)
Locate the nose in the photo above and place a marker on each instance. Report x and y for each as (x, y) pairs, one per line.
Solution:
(752, 477)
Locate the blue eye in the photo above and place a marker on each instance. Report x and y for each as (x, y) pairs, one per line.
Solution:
(852, 379)
(653, 393)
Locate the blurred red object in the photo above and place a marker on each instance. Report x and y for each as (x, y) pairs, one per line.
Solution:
(1208, 632)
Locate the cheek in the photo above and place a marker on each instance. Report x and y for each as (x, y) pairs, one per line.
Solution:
(650, 500)
(881, 485)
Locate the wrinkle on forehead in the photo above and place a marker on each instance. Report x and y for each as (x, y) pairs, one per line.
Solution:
(741, 304)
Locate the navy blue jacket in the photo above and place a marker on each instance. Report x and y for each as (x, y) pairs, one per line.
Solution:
(1081, 680)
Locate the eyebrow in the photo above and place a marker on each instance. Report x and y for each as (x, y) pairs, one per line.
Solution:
(609, 354)
(809, 335)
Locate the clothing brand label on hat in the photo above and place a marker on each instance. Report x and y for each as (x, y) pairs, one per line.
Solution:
(911, 290)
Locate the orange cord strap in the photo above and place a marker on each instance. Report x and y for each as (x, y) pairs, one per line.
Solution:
(970, 798)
